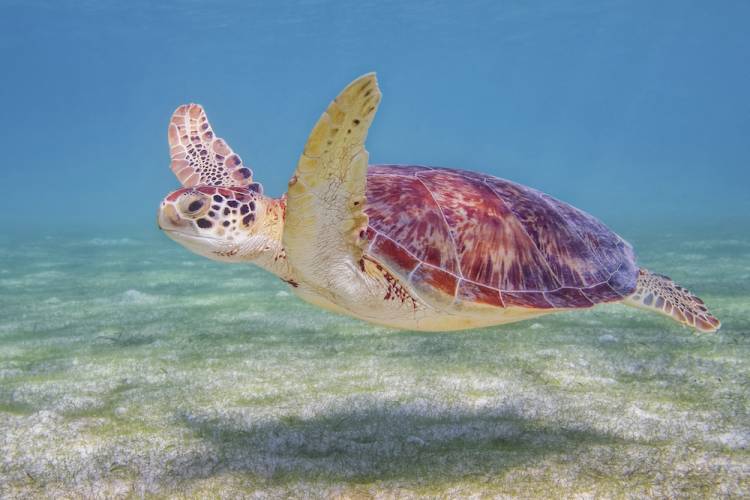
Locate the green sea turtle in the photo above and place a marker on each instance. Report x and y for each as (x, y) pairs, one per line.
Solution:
(405, 246)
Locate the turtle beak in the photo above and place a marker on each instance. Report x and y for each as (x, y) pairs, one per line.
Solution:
(169, 219)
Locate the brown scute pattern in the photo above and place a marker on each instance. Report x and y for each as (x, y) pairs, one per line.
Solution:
(393, 255)
(469, 291)
(601, 293)
(481, 224)
(435, 278)
(608, 248)
(494, 235)
(201, 158)
(568, 297)
(569, 258)
(663, 295)
(402, 209)
(534, 300)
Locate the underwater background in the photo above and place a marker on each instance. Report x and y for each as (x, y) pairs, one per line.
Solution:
(130, 367)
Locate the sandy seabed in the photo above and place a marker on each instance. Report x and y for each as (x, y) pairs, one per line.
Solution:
(131, 368)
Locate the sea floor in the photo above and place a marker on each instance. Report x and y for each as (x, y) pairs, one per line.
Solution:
(129, 368)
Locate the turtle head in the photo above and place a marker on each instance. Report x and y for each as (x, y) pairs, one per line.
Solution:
(226, 224)
(220, 212)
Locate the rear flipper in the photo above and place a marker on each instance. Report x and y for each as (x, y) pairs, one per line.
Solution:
(659, 293)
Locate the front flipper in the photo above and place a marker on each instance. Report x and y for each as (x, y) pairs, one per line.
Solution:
(201, 158)
(324, 232)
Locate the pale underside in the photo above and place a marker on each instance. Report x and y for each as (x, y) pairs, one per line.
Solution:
(371, 306)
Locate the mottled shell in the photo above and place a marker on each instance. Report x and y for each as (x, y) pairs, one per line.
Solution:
(459, 236)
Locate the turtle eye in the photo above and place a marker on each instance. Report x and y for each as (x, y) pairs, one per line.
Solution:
(194, 206)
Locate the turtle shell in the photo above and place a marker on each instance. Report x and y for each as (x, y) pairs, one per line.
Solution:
(458, 236)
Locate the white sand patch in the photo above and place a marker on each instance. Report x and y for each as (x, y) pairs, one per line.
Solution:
(10, 372)
(133, 296)
(737, 439)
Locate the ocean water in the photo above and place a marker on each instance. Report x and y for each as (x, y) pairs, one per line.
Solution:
(130, 367)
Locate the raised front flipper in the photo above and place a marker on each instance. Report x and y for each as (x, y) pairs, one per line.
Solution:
(201, 158)
(324, 232)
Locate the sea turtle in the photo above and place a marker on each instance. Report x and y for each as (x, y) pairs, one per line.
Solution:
(406, 246)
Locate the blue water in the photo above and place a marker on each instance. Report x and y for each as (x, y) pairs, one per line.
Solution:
(626, 109)
(130, 367)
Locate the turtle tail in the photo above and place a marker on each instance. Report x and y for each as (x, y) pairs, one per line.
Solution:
(659, 293)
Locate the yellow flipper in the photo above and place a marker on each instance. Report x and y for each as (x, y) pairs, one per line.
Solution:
(325, 221)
